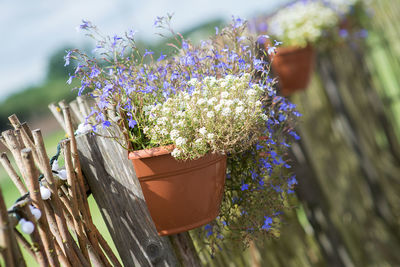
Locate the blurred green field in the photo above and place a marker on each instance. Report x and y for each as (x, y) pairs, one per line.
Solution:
(11, 193)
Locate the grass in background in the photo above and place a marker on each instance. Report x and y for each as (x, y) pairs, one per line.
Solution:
(11, 193)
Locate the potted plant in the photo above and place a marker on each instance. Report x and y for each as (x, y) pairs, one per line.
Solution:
(202, 125)
(298, 27)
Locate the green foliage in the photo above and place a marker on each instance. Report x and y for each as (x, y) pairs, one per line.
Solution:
(33, 101)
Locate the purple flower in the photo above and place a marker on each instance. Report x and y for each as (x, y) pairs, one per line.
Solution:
(116, 38)
(85, 24)
(69, 81)
(185, 45)
(295, 135)
(147, 53)
(158, 21)
(343, 33)
(267, 223)
(132, 123)
(292, 181)
(271, 50)
(106, 124)
(131, 33)
(67, 57)
(237, 22)
(94, 73)
(162, 56)
(244, 187)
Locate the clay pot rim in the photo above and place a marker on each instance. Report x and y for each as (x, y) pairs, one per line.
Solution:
(151, 152)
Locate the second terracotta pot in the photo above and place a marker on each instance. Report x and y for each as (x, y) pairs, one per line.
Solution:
(180, 195)
(293, 66)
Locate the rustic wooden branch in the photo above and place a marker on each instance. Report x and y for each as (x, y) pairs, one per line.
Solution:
(15, 149)
(78, 225)
(59, 244)
(81, 186)
(33, 186)
(25, 127)
(3, 141)
(5, 234)
(93, 255)
(19, 138)
(54, 191)
(35, 237)
(12, 173)
(22, 240)
(56, 111)
(76, 111)
(26, 135)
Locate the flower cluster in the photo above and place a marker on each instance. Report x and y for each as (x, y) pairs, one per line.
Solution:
(220, 116)
(302, 22)
(214, 97)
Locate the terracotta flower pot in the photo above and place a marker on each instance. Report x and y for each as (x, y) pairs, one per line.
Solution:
(293, 66)
(180, 195)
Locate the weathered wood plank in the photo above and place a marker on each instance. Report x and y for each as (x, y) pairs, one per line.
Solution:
(115, 188)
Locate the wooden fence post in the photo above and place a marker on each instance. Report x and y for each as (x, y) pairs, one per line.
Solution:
(115, 188)
(113, 183)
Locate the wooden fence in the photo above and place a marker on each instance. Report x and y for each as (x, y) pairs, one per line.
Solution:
(347, 163)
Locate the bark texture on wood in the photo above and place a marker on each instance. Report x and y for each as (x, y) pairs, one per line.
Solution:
(114, 186)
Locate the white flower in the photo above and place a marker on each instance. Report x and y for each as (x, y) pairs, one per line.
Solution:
(229, 102)
(147, 109)
(83, 128)
(211, 101)
(224, 94)
(264, 117)
(180, 113)
(226, 111)
(210, 114)
(162, 121)
(239, 110)
(198, 140)
(218, 107)
(193, 82)
(166, 110)
(201, 101)
(203, 130)
(174, 134)
(258, 103)
(176, 152)
(251, 92)
(164, 131)
(210, 81)
(180, 141)
(210, 136)
(302, 22)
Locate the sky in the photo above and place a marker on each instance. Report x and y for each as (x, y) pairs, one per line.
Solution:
(31, 31)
